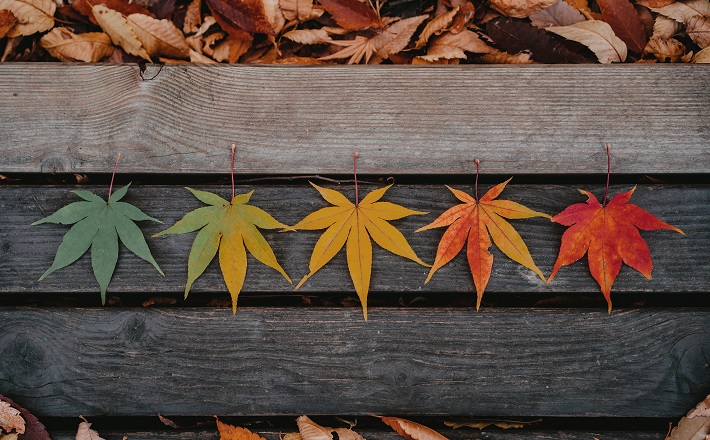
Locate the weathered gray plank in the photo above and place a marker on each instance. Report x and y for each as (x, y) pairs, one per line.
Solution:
(434, 120)
(284, 361)
(462, 434)
(682, 263)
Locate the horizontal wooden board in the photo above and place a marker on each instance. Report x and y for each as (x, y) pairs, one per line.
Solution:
(462, 434)
(401, 119)
(284, 361)
(682, 263)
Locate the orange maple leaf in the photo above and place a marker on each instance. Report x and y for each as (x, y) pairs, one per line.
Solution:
(609, 234)
(474, 220)
(229, 432)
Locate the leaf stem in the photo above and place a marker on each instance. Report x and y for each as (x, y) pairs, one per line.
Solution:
(478, 165)
(231, 168)
(110, 187)
(608, 173)
(357, 195)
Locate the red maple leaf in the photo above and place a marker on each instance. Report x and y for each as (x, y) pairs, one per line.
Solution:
(609, 234)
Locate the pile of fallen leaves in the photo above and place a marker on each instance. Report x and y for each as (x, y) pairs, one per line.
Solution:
(354, 31)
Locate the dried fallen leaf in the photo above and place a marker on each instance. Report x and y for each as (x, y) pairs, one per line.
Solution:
(246, 15)
(479, 220)
(274, 15)
(292, 436)
(120, 30)
(32, 16)
(99, 225)
(300, 10)
(438, 24)
(682, 10)
(411, 430)
(308, 36)
(67, 46)
(625, 22)
(703, 56)
(597, 36)
(695, 425)
(352, 14)
(506, 58)
(357, 49)
(355, 224)
(229, 432)
(666, 50)
(226, 226)
(451, 45)
(397, 36)
(698, 29)
(84, 432)
(125, 7)
(309, 430)
(230, 49)
(559, 14)
(665, 27)
(654, 3)
(159, 37)
(193, 17)
(7, 21)
(608, 233)
(520, 8)
(10, 419)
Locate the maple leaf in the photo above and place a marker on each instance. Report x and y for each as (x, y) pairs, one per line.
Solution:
(356, 223)
(474, 220)
(226, 226)
(99, 224)
(229, 432)
(609, 234)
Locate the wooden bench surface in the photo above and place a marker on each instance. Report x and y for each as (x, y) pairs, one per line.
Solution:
(543, 125)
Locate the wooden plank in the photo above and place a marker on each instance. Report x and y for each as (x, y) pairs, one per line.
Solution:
(682, 263)
(402, 120)
(462, 434)
(284, 361)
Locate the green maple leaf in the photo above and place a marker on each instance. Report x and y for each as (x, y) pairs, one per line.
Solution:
(227, 227)
(98, 225)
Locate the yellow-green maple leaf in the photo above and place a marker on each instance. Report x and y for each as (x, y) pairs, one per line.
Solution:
(227, 227)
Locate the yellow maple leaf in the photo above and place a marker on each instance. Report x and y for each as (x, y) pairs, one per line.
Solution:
(352, 225)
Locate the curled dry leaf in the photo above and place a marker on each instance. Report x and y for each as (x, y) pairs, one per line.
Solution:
(683, 10)
(357, 49)
(665, 27)
(654, 3)
(559, 14)
(7, 21)
(231, 49)
(520, 8)
(438, 24)
(10, 419)
(451, 46)
(229, 432)
(159, 37)
(120, 30)
(695, 425)
(273, 15)
(352, 14)
(666, 50)
(698, 29)
(506, 58)
(84, 432)
(34, 429)
(32, 16)
(67, 46)
(310, 430)
(308, 36)
(597, 36)
(193, 17)
(625, 22)
(411, 430)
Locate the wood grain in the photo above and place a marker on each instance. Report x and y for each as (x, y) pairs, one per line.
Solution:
(682, 263)
(401, 119)
(280, 361)
(369, 434)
